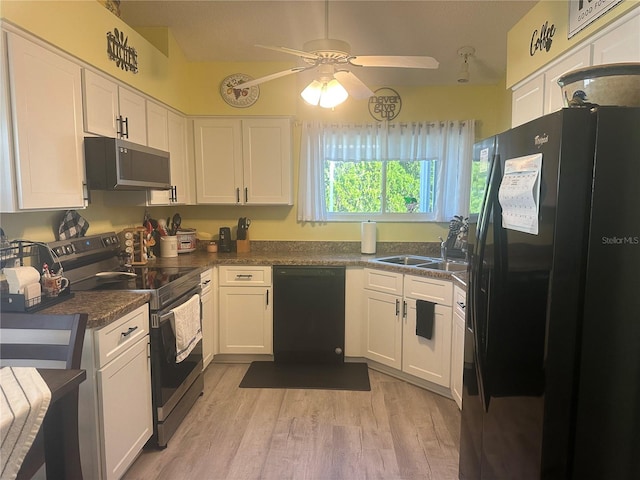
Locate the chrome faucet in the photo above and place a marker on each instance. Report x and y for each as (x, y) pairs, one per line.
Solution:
(443, 249)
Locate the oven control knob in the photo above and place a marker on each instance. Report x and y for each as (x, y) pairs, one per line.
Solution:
(107, 241)
(68, 249)
(114, 240)
(59, 251)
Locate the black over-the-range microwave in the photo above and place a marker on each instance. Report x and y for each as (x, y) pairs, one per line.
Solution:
(115, 164)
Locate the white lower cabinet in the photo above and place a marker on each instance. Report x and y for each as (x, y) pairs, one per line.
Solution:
(390, 315)
(457, 343)
(427, 358)
(209, 337)
(115, 410)
(245, 310)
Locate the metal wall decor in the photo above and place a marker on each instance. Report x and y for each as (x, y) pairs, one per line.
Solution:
(232, 92)
(120, 52)
(385, 104)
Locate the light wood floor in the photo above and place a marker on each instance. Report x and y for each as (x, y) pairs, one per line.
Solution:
(395, 431)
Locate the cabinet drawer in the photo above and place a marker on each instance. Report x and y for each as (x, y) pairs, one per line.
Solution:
(459, 300)
(118, 336)
(431, 289)
(243, 275)
(383, 281)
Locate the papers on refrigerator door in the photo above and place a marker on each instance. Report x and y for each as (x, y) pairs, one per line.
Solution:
(519, 193)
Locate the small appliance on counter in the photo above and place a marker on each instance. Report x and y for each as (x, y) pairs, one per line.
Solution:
(187, 240)
(224, 242)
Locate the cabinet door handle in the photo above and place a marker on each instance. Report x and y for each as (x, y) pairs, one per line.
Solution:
(404, 309)
(119, 126)
(86, 193)
(246, 195)
(267, 298)
(125, 133)
(129, 332)
(238, 195)
(397, 307)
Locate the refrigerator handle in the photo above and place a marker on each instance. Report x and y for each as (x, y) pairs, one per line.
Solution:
(476, 276)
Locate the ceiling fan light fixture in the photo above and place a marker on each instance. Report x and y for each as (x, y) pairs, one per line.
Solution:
(311, 94)
(333, 94)
(326, 93)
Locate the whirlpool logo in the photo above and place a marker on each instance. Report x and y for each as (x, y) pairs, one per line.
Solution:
(621, 240)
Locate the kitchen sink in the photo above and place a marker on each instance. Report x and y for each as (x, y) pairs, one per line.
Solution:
(411, 260)
(423, 262)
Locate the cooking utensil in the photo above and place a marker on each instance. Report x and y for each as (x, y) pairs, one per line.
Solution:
(175, 223)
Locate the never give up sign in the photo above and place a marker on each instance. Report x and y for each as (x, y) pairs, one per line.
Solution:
(583, 12)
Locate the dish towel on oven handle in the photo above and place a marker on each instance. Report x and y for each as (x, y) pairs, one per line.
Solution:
(186, 327)
(24, 400)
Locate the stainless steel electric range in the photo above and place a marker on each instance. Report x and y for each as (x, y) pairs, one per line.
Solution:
(95, 263)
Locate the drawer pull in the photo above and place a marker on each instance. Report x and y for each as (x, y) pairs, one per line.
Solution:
(129, 332)
(461, 305)
(246, 276)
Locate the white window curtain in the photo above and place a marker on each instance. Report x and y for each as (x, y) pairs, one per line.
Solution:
(450, 143)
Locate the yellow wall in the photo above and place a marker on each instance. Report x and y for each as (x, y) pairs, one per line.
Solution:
(79, 28)
(521, 64)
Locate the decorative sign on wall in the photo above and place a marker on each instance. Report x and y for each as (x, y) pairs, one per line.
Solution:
(385, 104)
(120, 52)
(583, 12)
(232, 92)
(542, 39)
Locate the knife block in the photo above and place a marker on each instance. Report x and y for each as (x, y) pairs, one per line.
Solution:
(243, 246)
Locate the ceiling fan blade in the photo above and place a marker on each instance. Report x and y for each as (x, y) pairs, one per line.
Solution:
(394, 61)
(273, 76)
(291, 51)
(353, 85)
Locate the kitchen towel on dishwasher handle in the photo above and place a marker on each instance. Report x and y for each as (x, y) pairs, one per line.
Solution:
(186, 326)
(425, 317)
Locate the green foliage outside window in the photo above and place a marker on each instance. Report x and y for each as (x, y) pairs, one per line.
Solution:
(359, 187)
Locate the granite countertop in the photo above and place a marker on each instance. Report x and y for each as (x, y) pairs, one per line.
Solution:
(104, 307)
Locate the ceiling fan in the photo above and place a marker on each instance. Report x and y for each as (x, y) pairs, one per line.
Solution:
(333, 59)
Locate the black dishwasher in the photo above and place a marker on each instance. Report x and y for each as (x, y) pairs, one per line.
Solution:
(308, 314)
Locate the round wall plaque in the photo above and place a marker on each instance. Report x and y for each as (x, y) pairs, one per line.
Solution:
(232, 92)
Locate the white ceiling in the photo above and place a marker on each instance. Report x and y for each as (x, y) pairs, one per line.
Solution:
(218, 31)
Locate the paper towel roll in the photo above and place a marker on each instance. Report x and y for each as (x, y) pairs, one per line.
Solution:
(368, 237)
(20, 277)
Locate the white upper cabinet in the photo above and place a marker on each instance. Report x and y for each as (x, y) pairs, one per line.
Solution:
(266, 152)
(157, 126)
(181, 174)
(113, 111)
(42, 162)
(541, 94)
(243, 161)
(552, 92)
(620, 45)
(528, 101)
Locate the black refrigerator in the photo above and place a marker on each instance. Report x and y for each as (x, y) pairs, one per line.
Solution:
(551, 384)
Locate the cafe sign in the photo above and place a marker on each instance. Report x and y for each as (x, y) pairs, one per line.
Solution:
(584, 12)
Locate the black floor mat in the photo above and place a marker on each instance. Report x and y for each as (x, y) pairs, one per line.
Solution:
(343, 376)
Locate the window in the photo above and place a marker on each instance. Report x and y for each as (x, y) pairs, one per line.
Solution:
(394, 172)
